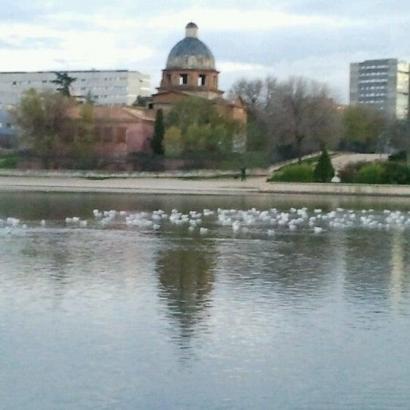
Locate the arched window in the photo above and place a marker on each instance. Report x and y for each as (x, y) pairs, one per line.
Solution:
(201, 80)
(183, 79)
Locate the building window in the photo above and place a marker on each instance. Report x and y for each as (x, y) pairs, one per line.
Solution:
(121, 135)
(183, 79)
(107, 134)
(98, 131)
(201, 80)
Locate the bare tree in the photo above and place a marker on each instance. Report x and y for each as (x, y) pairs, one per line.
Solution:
(251, 92)
(302, 112)
(297, 112)
(254, 93)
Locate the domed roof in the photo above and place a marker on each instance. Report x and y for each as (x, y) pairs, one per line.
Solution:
(191, 53)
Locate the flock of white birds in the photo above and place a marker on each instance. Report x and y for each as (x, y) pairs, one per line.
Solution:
(238, 221)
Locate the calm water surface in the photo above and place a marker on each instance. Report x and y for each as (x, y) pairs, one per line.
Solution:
(117, 316)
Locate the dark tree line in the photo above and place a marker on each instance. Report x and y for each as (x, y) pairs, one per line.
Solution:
(299, 116)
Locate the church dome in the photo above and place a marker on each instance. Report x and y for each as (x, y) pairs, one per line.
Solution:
(191, 53)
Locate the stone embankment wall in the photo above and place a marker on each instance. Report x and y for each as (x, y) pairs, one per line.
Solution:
(335, 189)
(203, 173)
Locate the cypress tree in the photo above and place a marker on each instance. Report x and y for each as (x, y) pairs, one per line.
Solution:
(159, 131)
(324, 171)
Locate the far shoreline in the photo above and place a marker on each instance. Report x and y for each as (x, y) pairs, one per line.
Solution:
(216, 185)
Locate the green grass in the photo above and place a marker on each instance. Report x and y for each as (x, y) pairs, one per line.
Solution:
(8, 161)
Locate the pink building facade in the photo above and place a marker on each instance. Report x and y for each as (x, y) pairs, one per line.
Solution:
(120, 131)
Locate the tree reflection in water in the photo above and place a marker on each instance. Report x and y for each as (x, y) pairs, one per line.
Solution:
(186, 276)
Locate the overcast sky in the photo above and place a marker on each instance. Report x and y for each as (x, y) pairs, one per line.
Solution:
(249, 38)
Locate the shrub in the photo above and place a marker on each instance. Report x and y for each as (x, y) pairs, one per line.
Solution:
(396, 173)
(398, 156)
(324, 171)
(348, 173)
(373, 173)
(294, 173)
(376, 173)
(9, 162)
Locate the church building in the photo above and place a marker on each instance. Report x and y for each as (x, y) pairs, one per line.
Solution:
(191, 71)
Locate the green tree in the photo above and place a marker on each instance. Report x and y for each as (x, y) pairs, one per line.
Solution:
(84, 141)
(42, 119)
(202, 127)
(64, 82)
(159, 131)
(324, 171)
(173, 141)
(363, 127)
(141, 101)
(398, 132)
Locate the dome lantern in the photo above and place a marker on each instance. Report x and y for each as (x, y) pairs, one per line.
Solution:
(191, 30)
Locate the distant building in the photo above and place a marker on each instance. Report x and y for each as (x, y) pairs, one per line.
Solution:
(382, 84)
(112, 87)
(118, 131)
(191, 71)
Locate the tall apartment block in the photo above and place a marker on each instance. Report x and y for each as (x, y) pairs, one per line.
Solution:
(112, 87)
(382, 84)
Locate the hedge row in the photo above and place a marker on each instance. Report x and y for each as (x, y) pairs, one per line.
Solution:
(396, 173)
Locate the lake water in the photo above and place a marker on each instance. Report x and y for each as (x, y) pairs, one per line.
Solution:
(136, 310)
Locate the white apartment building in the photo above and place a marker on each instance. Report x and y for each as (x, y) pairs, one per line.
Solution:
(111, 87)
(382, 84)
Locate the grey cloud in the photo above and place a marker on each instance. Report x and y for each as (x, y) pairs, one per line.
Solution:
(31, 43)
(268, 48)
(353, 8)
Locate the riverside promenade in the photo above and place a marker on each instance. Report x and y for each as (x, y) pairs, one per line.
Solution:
(196, 182)
(222, 185)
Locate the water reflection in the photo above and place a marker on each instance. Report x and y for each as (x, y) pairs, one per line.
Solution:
(377, 272)
(367, 278)
(289, 268)
(400, 272)
(294, 319)
(185, 271)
